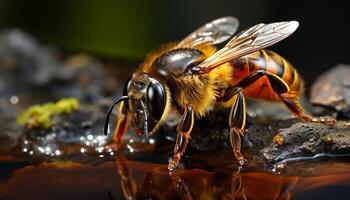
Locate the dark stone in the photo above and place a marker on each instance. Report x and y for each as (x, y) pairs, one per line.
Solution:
(10, 132)
(332, 90)
(210, 138)
(26, 65)
(307, 140)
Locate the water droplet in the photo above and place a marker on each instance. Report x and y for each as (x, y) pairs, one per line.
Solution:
(14, 99)
(41, 149)
(82, 150)
(90, 137)
(57, 152)
(280, 166)
(48, 149)
(100, 138)
(99, 149)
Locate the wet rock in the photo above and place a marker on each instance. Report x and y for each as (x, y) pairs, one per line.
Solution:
(210, 145)
(212, 134)
(307, 140)
(32, 73)
(332, 90)
(26, 65)
(79, 132)
(10, 132)
(84, 78)
(23, 56)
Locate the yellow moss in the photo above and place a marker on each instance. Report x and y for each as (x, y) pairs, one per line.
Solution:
(67, 106)
(39, 116)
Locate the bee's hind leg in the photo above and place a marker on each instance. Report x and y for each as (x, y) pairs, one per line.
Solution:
(291, 100)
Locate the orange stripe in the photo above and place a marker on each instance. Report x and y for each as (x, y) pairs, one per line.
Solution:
(287, 74)
(297, 81)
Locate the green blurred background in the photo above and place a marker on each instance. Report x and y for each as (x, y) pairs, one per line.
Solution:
(127, 30)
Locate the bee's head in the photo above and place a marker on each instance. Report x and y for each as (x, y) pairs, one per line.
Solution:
(145, 102)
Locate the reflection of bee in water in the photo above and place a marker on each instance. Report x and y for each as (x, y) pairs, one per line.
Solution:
(190, 77)
(155, 184)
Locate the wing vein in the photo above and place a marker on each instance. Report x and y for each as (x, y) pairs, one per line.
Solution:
(248, 41)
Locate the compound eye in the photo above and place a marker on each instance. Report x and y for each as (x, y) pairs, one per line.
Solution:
(127, 86)
(156, 100)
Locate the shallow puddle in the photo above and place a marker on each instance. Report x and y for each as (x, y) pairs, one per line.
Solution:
(123, 179)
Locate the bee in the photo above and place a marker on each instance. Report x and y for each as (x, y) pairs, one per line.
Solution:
(192, 76)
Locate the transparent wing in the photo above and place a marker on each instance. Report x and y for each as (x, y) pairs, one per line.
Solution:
(213, 32)
(248, 41)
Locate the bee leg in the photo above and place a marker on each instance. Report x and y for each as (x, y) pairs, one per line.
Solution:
(291, 100)
(127, 181)
(237, 118)
(237, 122)
(181, 186)
(183, 136)
(238, 190)
(122, 124)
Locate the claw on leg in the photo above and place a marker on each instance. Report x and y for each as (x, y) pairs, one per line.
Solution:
(174, 162)
(323, 120)
(235, 139)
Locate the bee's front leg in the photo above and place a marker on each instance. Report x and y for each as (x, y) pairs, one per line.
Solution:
(237, 121)
(122, 125)
(183, 136)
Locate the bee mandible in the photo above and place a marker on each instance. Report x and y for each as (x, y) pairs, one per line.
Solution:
(191, 76)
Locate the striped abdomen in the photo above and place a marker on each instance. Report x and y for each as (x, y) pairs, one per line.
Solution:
(268, 61)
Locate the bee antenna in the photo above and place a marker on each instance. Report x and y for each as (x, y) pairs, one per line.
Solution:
(123, 98)
(145, 122)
